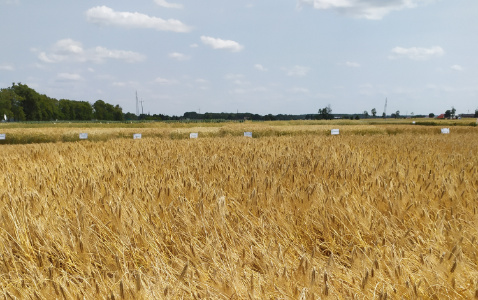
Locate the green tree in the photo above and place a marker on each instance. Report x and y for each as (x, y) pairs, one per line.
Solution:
(130, 116)
(191, 115)
(106, 111)
(6, 103)
(101, 110)
(118, 113)
(431, 115)
(67, 112)
(397, 114)
(374, 112)
(83, 110)
(11, 105)
(365, 113)
(36, 107)
(325, 113)
(49, 108)
(29, 101)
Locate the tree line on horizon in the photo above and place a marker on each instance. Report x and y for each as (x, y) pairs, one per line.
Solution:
(22, 103)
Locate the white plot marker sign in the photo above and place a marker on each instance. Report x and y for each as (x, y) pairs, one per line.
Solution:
(445, 130)
(137, 136)
(248, 134)
(3, 136)
(193, 135)
(334, 132)
(83, 136)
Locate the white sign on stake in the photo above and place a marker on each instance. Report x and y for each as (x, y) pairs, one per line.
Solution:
(2, 136)
(334, 132)
(137, 136)
(193, 135)
(248, 134)
(83, 136)
(445, 130)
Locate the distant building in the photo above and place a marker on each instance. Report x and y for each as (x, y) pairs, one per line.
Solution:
(442, 116)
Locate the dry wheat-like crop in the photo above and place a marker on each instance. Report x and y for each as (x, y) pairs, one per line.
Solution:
(293, 217)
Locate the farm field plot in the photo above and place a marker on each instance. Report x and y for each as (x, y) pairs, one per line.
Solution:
(51, 132)
(381, 215)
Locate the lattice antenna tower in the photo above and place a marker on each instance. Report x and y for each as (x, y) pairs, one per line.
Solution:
(142, 112)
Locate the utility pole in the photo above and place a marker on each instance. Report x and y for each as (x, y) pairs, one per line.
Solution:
(137, 104)
(385, 109)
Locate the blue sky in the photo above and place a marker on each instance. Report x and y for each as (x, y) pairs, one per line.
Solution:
(287, 56)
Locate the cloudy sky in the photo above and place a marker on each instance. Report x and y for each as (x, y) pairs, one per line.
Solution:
(258, 56)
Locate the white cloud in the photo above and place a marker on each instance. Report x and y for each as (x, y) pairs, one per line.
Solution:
(237, 79)
(352, 64)
(104, 15)
(125, 83)
(68, 50)
(240, 82)
(10, 1)
(70, 77)
(366, 9)
(298, 90)
(166, 4)
(260, 67)
(323, 96)
(233, 77)
(298, 71)
(179, 56)
(202, 84)
(259, 89)
(7, 67)
(194, 45)
(101, 53)
(164, 81)
(457, 68)
(417, 53)
(202, 80)
(216, 43)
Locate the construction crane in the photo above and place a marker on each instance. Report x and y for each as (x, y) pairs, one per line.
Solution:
(385, 109)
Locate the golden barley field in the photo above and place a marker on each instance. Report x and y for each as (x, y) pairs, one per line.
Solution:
(369, 215)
